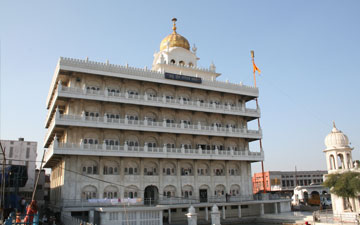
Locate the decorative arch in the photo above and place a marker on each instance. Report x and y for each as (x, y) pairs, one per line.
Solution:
(332, 162)
(169, 169)
(131, 191)
(186, 169)
(187, 191)
(131, 168)
(220, 190)
(89, 166)
(88, 192)
(110, 192)
(235, 190)
(169, 191)
(203, 169)
(110, 167)
(150, 168)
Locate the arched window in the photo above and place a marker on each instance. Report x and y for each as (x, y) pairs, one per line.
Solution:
(150, 169)
(172, 61)
(131, 192)
(169, 169)
(89, 167)
(111, 192)
(169, 191)
(88, 192)
(181, 63)
(110, 168)
(186, 169)
(90, 141)
(191, 64)
(187, 191)
(131, 168)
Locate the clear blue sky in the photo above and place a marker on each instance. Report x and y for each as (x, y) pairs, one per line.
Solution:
(308, 51)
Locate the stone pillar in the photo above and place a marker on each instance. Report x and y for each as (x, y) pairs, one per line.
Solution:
(169, 218)
(239, 211)
(91, 216)
(215, 215)
(276, 208)
(223, 212)
(346, 164)
(207, 213)
(192, 216)
(262, 211)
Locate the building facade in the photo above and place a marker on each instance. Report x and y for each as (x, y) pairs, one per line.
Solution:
(172, 135)
(21, 152)
(286, 181)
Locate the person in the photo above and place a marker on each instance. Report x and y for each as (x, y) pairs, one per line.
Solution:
(44, 219)
(18, 218)
(22, 205)
(30, 212)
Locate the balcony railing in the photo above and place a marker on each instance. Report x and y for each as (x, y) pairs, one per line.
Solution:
(146, 125)
(147, 152)
(154, 101)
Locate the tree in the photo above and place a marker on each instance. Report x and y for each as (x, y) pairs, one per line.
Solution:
(346, 185)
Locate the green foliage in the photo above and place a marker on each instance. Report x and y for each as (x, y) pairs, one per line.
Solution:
(345, 185)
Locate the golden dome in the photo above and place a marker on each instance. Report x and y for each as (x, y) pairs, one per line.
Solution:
(174, 39)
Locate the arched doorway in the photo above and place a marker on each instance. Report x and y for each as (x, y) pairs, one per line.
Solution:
(151, 195)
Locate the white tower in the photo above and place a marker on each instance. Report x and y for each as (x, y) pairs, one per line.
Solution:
(339, 160)
(338, 151)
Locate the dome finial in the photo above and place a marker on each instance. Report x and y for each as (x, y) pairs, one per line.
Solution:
(174, 24)
(334, 126)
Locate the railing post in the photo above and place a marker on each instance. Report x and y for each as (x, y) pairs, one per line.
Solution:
(164, 148)
(56, 142)
(105, 118)
(104, 145)
(81, 143)
(57, 113)
(182, 148)
(182, 124)
(192, 216)
(199, 125)
(200, 150)
(126, 119)
(83, 115)
(164, 122)
(125, 146)
(59, 85)
(145, 121)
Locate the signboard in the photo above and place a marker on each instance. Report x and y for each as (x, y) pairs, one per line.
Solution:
(173, 76)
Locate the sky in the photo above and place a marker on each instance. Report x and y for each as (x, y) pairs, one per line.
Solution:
(308, 52)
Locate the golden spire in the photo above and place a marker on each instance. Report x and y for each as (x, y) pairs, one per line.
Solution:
(174, 25)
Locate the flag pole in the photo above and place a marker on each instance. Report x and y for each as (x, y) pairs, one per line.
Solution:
(259, 127)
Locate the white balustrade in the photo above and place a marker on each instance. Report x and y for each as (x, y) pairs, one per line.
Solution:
(147, 100)
(165, 152)
(163, 126)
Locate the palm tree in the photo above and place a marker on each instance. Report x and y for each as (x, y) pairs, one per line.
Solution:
(346, 185)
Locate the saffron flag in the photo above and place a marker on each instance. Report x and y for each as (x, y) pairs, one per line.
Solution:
(256, 68)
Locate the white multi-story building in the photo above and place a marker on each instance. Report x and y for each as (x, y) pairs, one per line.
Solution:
(169, 135)
(24, 153)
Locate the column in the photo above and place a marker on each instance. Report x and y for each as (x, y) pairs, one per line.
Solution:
(262, 212)
(345, 158)
(276, 208)
(239, 211)
(207, 213)
(223, 212)
(196, 187)
(169, 219)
